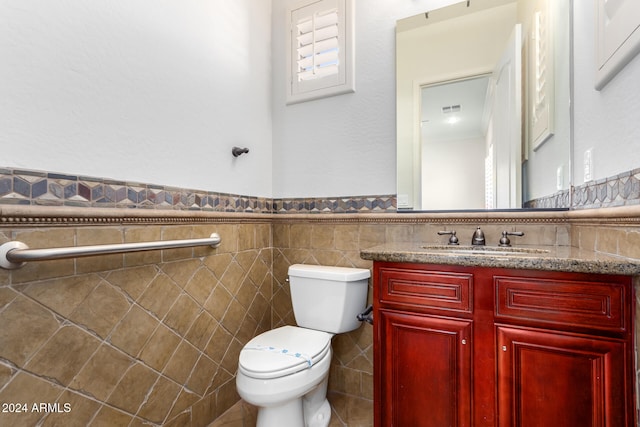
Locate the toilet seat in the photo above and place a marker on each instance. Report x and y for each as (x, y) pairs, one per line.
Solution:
(283, 351)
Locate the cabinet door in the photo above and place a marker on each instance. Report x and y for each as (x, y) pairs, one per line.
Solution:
(424, 371)
(555, 379)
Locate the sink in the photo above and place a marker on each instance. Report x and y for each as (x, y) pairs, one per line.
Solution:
(484, 250)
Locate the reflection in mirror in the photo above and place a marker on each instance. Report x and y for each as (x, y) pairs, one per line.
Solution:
(483, 106)
(453, 128)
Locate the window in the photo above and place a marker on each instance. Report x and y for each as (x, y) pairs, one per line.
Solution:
(320, 53)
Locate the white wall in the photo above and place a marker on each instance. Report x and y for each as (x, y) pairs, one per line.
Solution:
(154, 91)
(344, 145)
(608, 121)
(352, 150)
(453, 174)
(159, 91)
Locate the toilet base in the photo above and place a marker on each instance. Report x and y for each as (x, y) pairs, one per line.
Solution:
(321, 417)
(316, 408)
(289, 414)
(311, 410)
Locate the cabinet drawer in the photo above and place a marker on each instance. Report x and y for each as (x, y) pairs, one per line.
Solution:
(427, 289)
(599, 306)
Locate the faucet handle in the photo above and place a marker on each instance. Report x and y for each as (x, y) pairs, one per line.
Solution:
(453, 240)
(504, 240)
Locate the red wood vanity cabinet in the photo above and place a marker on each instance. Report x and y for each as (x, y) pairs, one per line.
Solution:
(470, 346)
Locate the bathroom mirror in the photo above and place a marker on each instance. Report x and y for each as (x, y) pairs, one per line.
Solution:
(483, 106)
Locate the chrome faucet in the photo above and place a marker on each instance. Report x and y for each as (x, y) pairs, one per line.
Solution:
(478, 238)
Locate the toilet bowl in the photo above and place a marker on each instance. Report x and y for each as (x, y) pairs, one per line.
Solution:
(285, 371)
(286, 387)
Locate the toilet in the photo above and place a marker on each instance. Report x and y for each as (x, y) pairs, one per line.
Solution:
(284, 372)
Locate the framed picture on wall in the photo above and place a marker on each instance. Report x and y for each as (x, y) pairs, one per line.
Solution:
(617, 37)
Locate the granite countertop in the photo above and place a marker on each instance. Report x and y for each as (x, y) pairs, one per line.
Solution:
(549, 258)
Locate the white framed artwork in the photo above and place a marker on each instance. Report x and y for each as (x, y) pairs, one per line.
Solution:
(617, 37)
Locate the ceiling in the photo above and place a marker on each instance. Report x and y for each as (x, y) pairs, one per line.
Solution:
(440, 119)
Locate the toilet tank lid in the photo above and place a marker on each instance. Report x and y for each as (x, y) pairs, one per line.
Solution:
(346, 274)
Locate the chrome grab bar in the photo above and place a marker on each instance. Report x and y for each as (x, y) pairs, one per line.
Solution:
(15, 254)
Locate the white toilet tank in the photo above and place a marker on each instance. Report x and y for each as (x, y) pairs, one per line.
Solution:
(328, 298)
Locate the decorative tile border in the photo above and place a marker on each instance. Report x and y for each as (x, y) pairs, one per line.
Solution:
(614, 191)
(619, 190)
(360, 204)
(560, 200)
(27, 187)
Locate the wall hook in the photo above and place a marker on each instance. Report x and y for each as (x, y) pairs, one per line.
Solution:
(236, 151)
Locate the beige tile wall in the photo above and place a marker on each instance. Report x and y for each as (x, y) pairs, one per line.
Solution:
(154, 337)
(135, 339)
(618, 240)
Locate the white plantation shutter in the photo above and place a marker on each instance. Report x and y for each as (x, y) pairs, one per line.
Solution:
(317, 43)
(320, 50)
